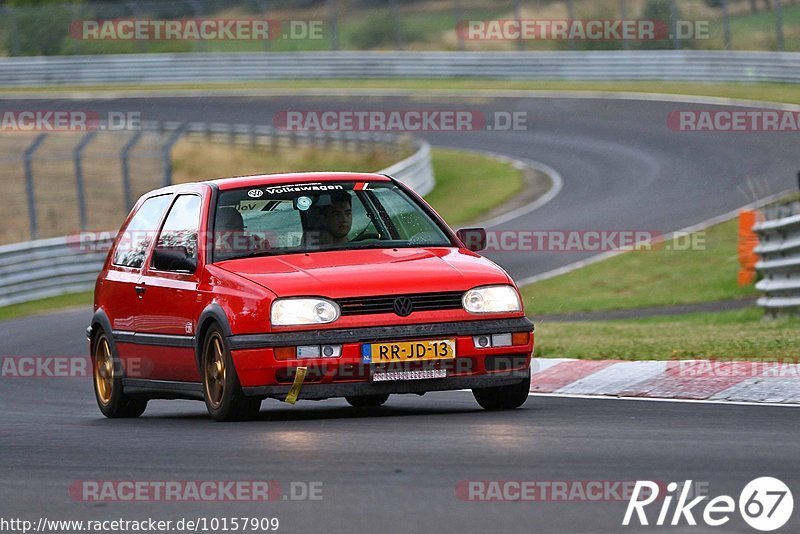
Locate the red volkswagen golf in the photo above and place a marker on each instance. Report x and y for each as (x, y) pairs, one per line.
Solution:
(301, 286)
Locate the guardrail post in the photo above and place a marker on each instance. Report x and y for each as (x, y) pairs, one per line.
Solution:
(79, 189)
(166, 153)
(13, 30)
(137, 12)
(126, 171)
(273, 140)
(264, 5)
(779, 25)
(673, 24)
(332, 26)
(398, 30)
(726, 25)
(198, 12)
(28, 163)
(76, 16)
(571, 17)
(458, 16)
(623, 14)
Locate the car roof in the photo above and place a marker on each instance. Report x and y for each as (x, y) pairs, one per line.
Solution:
(297, 177)
(271, 179)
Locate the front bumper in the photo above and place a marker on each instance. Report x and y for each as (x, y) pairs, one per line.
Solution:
(325, 391)
(261, 374)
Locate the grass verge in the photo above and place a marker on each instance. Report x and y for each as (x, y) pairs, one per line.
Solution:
(659, 278)
(460, 174)
(773, 92)
(664, 276)
(740, 334)
(15, 311)
(194, 160)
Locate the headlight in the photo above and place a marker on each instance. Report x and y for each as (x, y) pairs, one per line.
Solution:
(491, 299)
(300, 311)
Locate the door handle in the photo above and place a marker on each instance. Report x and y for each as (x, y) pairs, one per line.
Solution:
(140, 289)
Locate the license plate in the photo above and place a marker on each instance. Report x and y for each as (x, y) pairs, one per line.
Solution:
(418, 374)
(408, 351)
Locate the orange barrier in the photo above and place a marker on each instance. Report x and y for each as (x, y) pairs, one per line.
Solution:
(747, 242)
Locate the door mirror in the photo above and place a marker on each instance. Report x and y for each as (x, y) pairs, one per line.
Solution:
(474, 239)
(174, 259)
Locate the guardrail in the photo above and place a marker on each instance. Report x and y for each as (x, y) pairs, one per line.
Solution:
(61, 265)
(667, 65)
(779, 248)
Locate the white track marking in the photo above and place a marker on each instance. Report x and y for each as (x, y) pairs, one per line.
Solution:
(655, 399)
(615, 378)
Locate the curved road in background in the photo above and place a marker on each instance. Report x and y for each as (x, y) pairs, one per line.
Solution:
(623, 168)
(395, 469)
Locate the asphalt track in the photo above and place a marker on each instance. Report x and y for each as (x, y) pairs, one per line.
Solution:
(396, 469)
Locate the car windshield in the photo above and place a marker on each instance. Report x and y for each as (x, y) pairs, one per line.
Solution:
(308, 217)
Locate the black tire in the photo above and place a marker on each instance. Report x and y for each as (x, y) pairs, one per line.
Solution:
(504, 397)
(367, 401)
(222, 391)
(107, 379)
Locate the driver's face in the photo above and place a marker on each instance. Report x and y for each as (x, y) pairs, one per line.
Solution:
(339, 219)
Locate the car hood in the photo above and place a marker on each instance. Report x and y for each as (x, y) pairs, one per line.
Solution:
(353, 273)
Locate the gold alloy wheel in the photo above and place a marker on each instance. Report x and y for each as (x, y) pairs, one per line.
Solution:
(103, 371)
(215, 370)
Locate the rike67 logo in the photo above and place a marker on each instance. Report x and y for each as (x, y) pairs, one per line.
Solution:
(765, 504)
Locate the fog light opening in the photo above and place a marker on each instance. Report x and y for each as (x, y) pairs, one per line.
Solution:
(482, 342)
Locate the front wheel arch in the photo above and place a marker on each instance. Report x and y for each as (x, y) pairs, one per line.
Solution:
(213, 314)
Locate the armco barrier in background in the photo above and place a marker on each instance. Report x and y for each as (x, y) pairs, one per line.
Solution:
(51, 267)
(779, 248)
(668, 65)
(113, 168)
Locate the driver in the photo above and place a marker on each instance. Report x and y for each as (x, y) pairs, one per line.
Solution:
(337, 219)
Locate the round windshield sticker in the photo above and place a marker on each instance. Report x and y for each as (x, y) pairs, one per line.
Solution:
(303, 203)
(255, 193)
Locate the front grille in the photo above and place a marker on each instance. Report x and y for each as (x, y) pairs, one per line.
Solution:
(450, 300)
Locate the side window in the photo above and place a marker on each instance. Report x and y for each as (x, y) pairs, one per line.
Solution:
(409, 221)
(132, 247)
(176, 249)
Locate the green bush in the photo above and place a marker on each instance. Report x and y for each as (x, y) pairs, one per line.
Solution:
(41, 26)
(377, 29)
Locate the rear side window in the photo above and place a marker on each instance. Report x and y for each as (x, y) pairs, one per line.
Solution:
(182, 225)
(133, 244)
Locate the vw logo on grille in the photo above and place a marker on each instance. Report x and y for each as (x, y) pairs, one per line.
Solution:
(403, 306)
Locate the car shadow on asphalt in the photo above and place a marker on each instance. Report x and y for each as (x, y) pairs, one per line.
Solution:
(308, 412)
